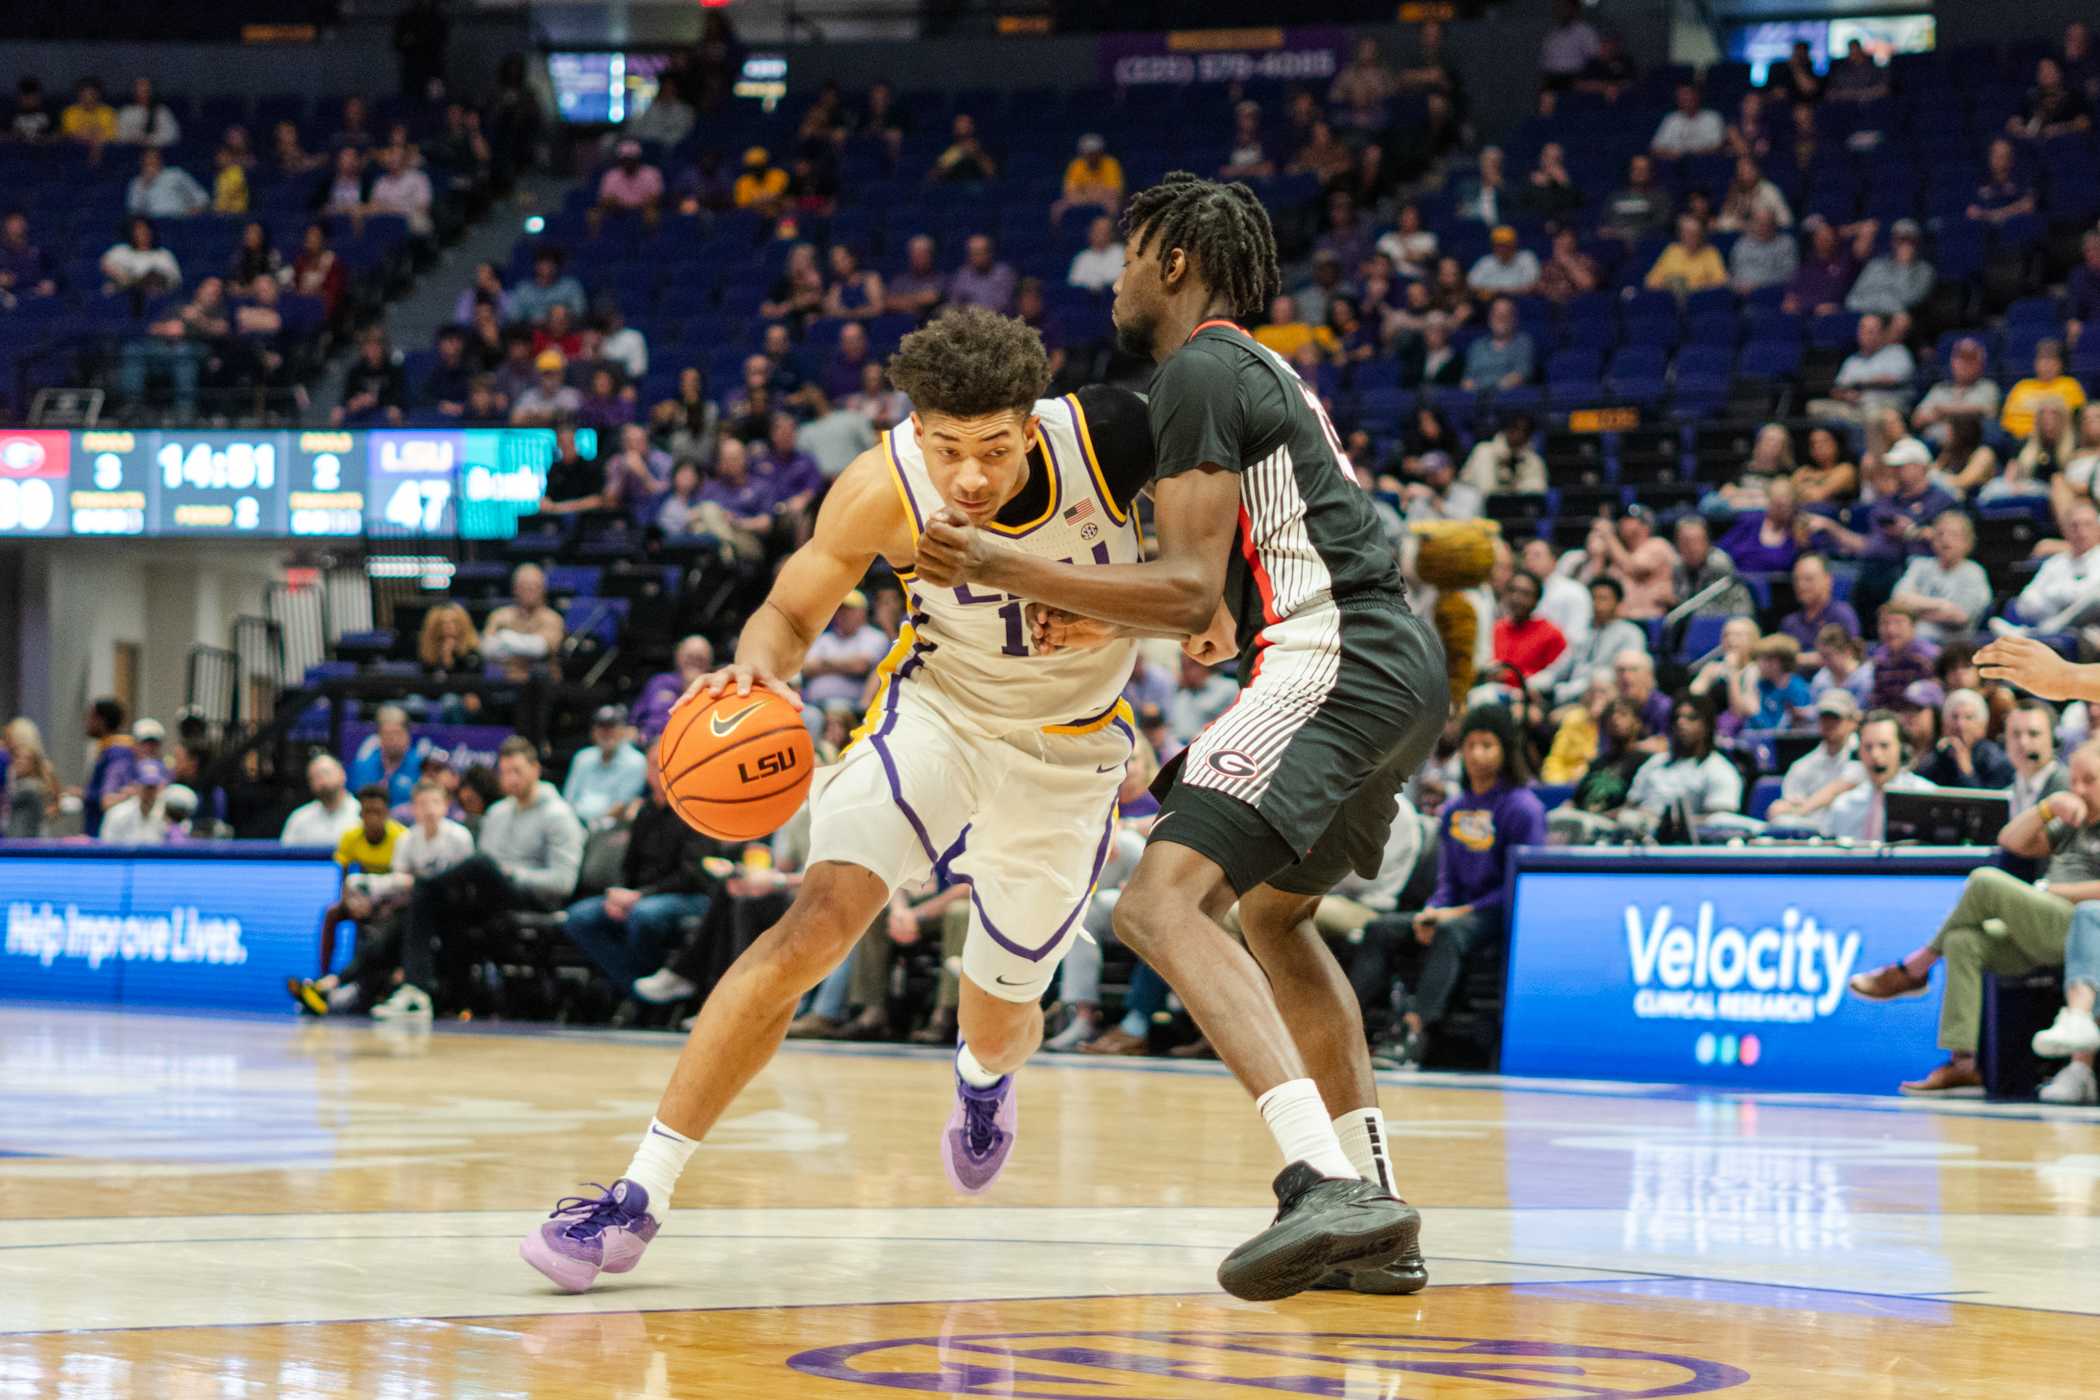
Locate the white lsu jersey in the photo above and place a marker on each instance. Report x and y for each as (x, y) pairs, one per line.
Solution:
(975, 646)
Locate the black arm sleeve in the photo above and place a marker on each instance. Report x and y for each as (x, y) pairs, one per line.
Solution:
(1121, 434)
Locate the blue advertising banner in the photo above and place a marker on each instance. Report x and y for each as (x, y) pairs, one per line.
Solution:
(218, 927)
(463, 745)
(1722, 972)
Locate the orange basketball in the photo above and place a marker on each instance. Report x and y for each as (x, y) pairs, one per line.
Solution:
(738, 768)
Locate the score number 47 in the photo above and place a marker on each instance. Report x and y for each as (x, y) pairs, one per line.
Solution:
(419, 505)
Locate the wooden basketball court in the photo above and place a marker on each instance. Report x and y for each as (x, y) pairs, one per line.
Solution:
(213, 1207)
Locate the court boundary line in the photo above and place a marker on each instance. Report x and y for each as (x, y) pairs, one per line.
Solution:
(1635, 1276)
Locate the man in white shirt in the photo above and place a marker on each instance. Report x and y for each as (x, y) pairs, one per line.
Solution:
(1506, 461)
(1826, 772)
(1097, 266)
(402, 189)
(2030, 742)
(2067, 586)
(140, 819)
(1567, 680)
(323, 821)
(1506, 269)
(1438, 494)
(1965, 393)
(1947, 589)
(146, 120)
(1874, 376)
(1568, 46)
(1860, 814)
(1691, 130)
(1566, 603)
(837, 664)
(163, 191)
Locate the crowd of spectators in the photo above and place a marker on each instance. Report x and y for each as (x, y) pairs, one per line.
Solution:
(1771, 636)
(235, 256)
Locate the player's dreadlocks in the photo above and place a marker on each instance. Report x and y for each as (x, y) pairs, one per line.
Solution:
(1223, 228)
(969, 362)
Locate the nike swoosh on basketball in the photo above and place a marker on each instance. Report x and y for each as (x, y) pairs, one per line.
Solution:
(722, 730)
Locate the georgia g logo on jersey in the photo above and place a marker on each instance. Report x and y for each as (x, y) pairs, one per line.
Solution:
(1233, 764)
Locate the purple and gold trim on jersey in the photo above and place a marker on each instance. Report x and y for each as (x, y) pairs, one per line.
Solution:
(1057, 494)
(887, 671)
(984, 916)
(1119, 714)
(902, 481)
(1093, 463)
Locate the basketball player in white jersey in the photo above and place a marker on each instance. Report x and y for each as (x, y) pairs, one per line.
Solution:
(983, 753)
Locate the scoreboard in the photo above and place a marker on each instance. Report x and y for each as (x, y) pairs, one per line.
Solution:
(473, 483)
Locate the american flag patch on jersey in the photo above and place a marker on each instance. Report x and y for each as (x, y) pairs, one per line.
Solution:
(1083, 511)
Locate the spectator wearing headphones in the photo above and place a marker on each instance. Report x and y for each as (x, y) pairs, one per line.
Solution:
(2030, 742)
(1860, 813)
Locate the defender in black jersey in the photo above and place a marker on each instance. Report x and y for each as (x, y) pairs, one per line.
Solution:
(1343, 693)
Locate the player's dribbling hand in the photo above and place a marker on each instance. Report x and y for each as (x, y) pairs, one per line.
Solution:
(2028, 664)
(739, 679)
(949, 549)
(1054, 629)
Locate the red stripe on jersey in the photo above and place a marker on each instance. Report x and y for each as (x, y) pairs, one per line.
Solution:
(1254, 566)
(1218, 321)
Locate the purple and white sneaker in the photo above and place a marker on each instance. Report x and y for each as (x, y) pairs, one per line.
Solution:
(585, 1236)
(980, 1134)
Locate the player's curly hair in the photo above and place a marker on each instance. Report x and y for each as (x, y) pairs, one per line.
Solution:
(968, 362)
(1223, 229)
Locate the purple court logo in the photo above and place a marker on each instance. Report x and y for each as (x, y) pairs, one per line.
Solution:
(1171, 1365)
(1233, 764)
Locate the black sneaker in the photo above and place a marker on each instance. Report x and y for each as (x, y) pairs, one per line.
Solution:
(1404, 1275)
(1321, 1224)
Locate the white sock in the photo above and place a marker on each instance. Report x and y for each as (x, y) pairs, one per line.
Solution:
(974, 1074)
(1362, 1132)
(1299, 1121)
(657, 1163)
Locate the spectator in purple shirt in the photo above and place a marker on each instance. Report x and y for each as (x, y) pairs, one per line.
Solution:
(1817, 610)
(25, 270)
(1901, 661)
(791, 474)
(742, 494)
(1826, 272)
(694, 658)
(1492, 814)
(1767, 541)
(2005, 193)
(1898, 524)
(983, 280)
(842, 372)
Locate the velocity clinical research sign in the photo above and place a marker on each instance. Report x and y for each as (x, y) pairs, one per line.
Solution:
(208, 927)
(1724, 969)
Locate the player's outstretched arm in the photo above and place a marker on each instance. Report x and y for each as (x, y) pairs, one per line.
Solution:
(1195, 514)
(860, 518)
(2034, 667)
